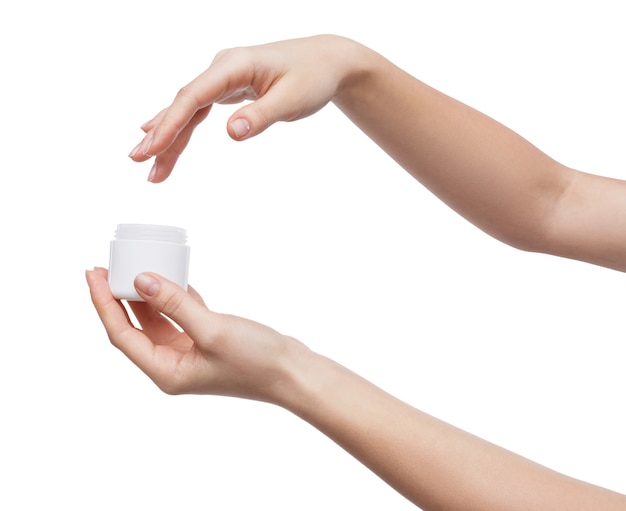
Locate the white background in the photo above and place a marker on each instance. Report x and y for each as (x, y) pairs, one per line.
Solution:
(309, 228)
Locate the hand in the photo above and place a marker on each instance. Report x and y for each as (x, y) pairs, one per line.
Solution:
(286, 81)
(214, 354)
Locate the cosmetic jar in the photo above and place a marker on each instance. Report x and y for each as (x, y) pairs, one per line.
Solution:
(139, 248)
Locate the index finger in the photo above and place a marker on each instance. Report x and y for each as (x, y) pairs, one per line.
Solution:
(122, 334)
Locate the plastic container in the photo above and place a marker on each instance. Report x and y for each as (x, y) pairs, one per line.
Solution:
(139, 248)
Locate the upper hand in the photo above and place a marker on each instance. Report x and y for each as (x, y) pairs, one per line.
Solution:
(286, 81)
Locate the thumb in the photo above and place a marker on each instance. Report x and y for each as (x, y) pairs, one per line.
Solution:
(172, 301)
(278, 104)
(251, 120)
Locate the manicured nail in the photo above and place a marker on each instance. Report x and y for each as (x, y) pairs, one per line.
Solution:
(240, 127)
(134, 151)
(152, 173)
(147, 284)
(145, 146)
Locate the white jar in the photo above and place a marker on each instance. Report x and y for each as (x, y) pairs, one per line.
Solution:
(139, 248)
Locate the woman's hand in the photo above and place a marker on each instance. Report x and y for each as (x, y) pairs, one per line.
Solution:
(214, 354)
(420, 456)
(285, 81)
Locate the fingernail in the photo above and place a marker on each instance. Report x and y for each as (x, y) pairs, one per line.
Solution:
(152, 173)
(145, 146)
(240, 127)
(134, 151)
(147, 284)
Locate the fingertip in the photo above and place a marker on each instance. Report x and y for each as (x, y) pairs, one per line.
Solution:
(99, 289)
(134, 151)
(171, 300)
(90, 275)
(147, 285)
(252, 119)
(147, 145)
(152, 173)
(239, 128)
(160, 171)
(137, 155)
(147, 126)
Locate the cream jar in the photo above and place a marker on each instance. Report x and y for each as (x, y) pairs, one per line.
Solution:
(139, 248)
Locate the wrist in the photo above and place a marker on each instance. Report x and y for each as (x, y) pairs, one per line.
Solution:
(320, 390)
(362, 67)
(304, 375)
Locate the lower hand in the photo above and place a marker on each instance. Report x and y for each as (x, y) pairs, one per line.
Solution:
(213, 354)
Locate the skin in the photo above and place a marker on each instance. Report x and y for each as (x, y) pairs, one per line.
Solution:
(483, 170)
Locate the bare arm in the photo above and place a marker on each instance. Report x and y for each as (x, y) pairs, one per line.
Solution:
(430, 462)
(480, 168)
(433, 464)
(486, 172)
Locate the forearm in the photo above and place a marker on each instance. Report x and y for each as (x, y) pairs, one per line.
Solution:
(433, 464)
(486, 172)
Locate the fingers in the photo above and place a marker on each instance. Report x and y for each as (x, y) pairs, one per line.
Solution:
(214, 354)
(153, 324)
(168, 133)
(165, 161)
(202, 92)
(156, 326)
(174, 302)
(285, 81)
(123, 335)
(234, 76)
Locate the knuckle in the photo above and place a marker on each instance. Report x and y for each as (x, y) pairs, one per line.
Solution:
(263, 119)
(233, 53)
(217, 334)
(171, 126)
(119, 339)
(221, 54)
(187, 94)
(171, 303)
